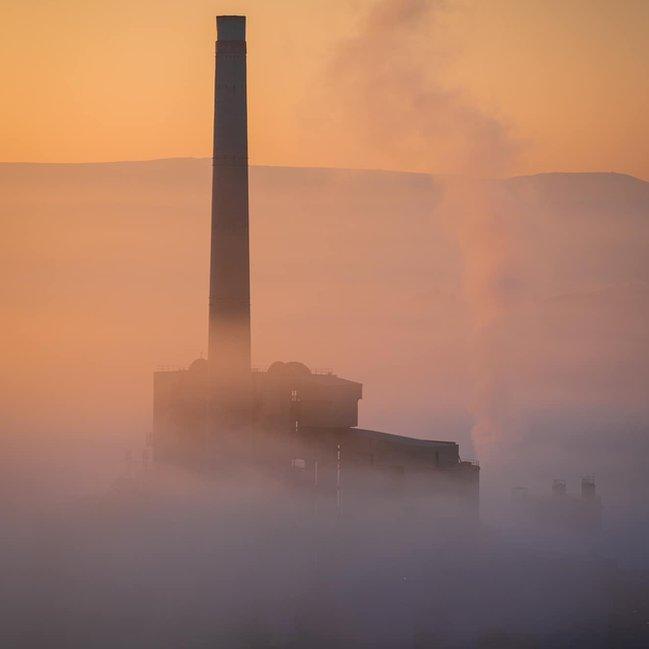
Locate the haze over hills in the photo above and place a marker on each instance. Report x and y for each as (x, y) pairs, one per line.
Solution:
(375, 274)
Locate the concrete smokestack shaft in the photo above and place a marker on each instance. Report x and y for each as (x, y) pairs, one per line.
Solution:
(229, 309)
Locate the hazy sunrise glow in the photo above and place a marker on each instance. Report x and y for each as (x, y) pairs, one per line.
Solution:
(97, 80)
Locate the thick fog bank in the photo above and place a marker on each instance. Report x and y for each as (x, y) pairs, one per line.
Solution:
(166, 559)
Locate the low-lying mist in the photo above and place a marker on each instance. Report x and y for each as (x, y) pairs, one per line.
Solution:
(162, 558)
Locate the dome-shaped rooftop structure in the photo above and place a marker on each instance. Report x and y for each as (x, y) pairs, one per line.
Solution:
(199, 365)
(292, 368)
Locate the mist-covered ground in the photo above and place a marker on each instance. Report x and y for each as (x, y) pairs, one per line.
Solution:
(166, 559)
(510, 316)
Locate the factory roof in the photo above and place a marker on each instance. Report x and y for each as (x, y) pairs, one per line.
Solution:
(399, 439)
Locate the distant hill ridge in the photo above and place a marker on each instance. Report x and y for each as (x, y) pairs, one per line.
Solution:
(193, 161)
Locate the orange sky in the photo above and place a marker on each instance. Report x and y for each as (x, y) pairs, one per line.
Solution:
(94, 80)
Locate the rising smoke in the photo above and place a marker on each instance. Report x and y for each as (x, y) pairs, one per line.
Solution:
(389, 80)
(390, 93)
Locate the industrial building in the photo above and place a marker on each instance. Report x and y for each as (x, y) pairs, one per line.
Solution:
(297, 424)
(560, 510)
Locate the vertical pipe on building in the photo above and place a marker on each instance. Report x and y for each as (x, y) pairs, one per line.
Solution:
(229, 305)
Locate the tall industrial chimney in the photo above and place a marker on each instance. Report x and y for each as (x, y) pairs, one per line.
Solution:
(229, 309)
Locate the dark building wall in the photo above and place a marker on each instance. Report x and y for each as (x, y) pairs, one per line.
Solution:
(289, 394)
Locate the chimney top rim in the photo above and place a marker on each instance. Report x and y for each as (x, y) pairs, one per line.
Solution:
(230, 28)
